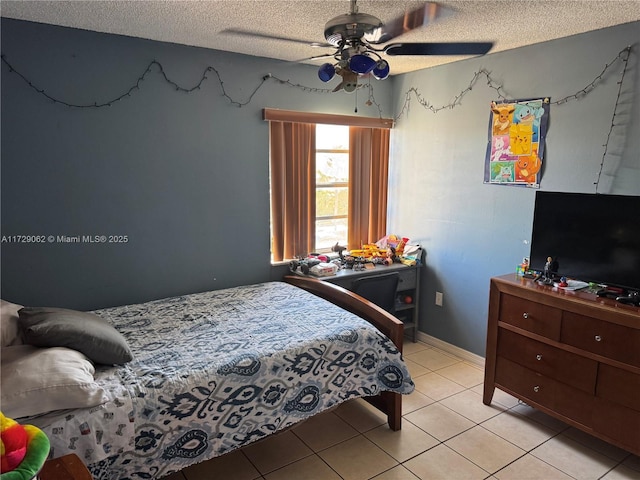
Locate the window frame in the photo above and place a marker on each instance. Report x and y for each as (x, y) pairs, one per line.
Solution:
(374, 220)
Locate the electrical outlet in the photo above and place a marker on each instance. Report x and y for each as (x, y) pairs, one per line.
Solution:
(439, 299)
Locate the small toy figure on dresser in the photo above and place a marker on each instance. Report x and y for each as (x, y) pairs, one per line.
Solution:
(549, 269)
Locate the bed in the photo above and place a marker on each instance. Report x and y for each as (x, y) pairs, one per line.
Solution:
(215, 371)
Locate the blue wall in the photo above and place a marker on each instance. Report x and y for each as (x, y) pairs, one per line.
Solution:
(473, 231)
(185, 177)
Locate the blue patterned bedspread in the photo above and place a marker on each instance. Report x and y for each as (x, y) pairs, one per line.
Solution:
(218, 370)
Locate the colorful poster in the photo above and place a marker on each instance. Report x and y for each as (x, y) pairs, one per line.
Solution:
(517, 131)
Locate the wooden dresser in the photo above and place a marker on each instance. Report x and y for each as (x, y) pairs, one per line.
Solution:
(570, 354)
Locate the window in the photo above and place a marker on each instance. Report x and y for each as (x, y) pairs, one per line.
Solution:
(332, 186)
(328, 179)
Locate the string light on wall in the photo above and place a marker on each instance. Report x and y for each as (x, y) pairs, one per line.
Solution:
(622, 56)
(457, 100)
(625, 60)
(160, 68)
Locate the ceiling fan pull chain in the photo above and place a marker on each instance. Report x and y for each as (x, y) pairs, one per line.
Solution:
(355, 110)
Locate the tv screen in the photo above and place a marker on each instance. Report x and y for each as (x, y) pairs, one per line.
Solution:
(591, 237)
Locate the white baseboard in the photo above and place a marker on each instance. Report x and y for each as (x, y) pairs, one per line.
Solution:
(452, 349)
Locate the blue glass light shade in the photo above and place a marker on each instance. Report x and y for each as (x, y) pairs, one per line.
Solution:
(326, 72)
(382, 70)
(361, 64)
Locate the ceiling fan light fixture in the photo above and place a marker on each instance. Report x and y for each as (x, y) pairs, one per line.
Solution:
(381, 70)
(362, 64)
(326, 72)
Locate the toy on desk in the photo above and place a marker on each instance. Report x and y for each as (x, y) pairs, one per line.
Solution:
(338, 248)
(550, 268)
(547, 268)
(305, 264)
(23, 448)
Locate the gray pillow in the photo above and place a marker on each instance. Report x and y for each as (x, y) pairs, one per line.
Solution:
(82, 331)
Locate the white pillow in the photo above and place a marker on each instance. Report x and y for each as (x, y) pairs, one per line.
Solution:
(39, 380)
(9, 332)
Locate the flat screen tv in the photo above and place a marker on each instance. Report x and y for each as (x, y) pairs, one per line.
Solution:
(591, 237)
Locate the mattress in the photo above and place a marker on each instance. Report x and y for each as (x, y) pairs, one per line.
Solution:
(215, 371)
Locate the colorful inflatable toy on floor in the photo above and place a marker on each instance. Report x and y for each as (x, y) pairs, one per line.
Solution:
(23, 449)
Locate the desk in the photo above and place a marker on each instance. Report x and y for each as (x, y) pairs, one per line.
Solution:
(408, 286)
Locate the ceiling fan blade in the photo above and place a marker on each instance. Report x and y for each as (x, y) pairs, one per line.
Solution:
(453, 48)
(419, 17)
(247, 33)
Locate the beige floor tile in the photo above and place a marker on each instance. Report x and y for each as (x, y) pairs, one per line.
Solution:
(411, 347)
(432, 359)
(357, 459)
(574, 459)
(396, 473)
(442, 463)
(403, 444)
(540, 417)
(276, 451)
(469, 405)
(622, 473)
(466, 375)
(439, 421)
(353, 440)
(632, 462)
(485, 449)
(231, 466)
(530, 468)
(324, 431)
(361, 415)
(596, 444)
(518, 430)
(415, 369)
(414, 401)
(309, 468)
(436, 386)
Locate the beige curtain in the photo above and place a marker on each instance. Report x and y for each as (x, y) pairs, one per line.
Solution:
(293, 185)
(368, 177)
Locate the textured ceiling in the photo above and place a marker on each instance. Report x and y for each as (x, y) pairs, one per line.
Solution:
(510, 24)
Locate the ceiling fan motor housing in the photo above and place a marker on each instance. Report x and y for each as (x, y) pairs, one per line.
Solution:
(350, 27)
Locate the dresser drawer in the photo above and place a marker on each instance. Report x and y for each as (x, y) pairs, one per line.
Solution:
(407, 279)
(603, 338)
(619, 386)
(563, 399)
(619, 423)
(530, 316)
(566, 367)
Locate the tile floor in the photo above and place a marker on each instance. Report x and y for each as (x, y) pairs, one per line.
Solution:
(447, 433)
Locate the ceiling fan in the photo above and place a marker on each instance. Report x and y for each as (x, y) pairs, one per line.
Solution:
(357, 40)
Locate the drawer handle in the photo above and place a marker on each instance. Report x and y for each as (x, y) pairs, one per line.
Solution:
(538, 357)
(525, 315)
(536, 388)
(598, 338)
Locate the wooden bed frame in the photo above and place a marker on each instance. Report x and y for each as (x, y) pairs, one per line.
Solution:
(389, 403)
